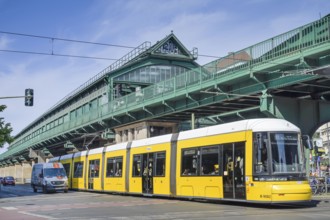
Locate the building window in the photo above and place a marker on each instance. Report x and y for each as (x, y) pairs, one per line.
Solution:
(152, 74)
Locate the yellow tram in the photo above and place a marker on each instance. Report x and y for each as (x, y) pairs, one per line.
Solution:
(256, 160)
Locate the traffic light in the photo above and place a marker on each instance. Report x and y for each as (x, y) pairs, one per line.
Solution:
(28, 97)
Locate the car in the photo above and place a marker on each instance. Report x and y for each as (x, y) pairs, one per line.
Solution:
(1, 178)
(8, 180)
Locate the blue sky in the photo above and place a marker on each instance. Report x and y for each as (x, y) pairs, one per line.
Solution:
(215, 27)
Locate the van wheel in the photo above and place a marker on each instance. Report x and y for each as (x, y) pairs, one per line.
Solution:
(44, 189)
(34, 189)
(65, 191)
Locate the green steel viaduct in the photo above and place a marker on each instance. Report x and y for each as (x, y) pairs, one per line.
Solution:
(158, 89)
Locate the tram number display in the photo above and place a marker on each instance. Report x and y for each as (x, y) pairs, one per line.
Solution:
(265, 196)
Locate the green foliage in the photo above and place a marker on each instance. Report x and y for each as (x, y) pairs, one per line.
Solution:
(5, 130)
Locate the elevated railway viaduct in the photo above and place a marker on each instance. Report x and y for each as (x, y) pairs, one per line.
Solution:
(159, 89)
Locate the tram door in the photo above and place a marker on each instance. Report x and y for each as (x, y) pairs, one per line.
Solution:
(147, 175)
(234, 171)
(93, 172)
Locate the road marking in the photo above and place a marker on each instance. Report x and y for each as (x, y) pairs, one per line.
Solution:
(64, 206)
(36, 215)
(9, 208)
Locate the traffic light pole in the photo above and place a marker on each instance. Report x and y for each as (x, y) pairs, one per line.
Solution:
(13, 97)
(28, 97)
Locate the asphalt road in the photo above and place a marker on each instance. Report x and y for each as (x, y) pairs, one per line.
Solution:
(19, 202)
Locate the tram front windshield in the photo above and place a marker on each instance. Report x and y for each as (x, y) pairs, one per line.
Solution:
(278, 153)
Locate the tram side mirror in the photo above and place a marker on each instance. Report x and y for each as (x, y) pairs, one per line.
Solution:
(307, 142)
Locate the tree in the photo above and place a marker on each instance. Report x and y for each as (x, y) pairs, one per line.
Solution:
(5, 130)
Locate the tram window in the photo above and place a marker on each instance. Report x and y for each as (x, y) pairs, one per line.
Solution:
(94, 168)
(210, 161)
(261, 153)
(160, 164)
(137, 165)
(67, 168)
(110, 167)
(114, 167)
(287, 155)
(78, 169)
(190, 162)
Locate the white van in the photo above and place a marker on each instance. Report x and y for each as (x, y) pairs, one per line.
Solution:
(49, 177)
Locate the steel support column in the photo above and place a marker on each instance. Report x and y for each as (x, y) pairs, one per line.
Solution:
(308, 115)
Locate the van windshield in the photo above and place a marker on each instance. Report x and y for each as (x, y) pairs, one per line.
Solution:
(53, 172)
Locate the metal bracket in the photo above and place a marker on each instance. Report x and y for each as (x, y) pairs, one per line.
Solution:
(167, 105)
(128, 114)
(147, 110)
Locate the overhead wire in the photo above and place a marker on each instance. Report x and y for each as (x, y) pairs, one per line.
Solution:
(65, 39)
(101, 44)
(56, 54)
(61, 39)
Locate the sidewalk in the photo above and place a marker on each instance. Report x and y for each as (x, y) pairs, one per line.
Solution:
(324, 196)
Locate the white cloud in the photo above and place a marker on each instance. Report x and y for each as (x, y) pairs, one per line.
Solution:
(4, 42)
(50, 83)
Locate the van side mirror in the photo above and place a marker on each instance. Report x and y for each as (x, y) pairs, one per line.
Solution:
(307, 142)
